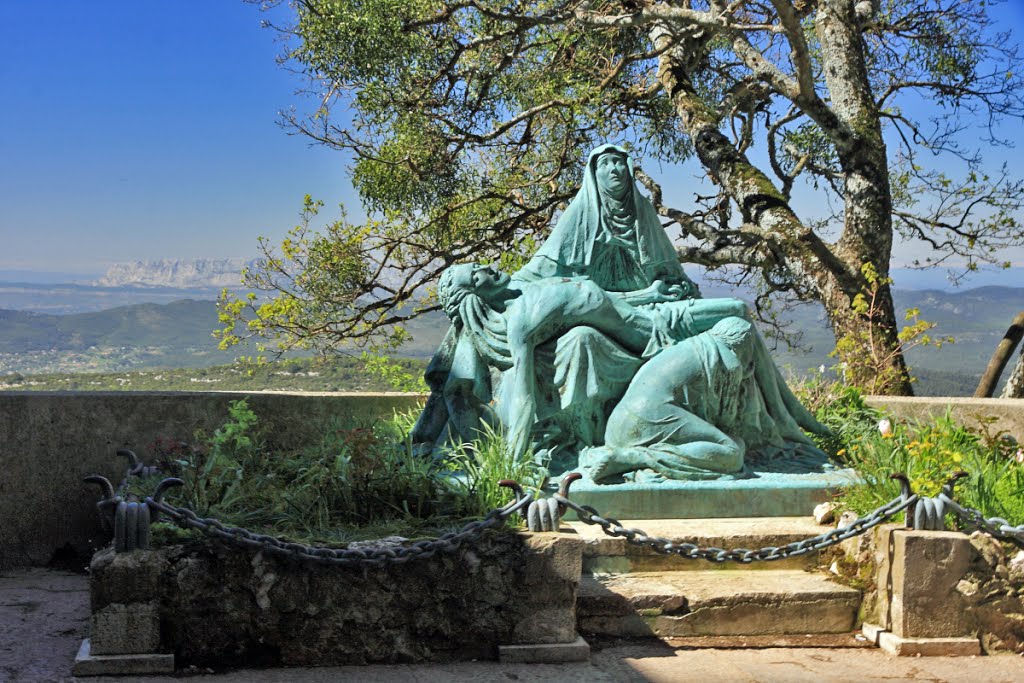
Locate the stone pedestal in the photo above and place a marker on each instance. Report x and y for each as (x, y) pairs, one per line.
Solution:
(766, 494)
(125, 624)
(920, 611)
(547, 631)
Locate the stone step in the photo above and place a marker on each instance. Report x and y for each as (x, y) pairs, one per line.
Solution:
(603, 554)
(714, 603)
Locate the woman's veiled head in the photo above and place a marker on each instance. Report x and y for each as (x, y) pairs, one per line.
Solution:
(612, 173)
(738, 335)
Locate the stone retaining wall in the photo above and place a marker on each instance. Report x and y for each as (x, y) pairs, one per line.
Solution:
(211, 604)
(1008, 412)
(49, 441)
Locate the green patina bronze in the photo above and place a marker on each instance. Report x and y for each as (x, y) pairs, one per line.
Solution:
(600, 355)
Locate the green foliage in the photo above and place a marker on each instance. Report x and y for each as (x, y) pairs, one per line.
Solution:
(866, 361)
(395, 374)
(322, 271)
(842, 409)
(928, 452)
(482, 464)
(361, 481)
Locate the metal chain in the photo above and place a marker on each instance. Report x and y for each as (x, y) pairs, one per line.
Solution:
(341, 556)
(691, 551)
(994, 526)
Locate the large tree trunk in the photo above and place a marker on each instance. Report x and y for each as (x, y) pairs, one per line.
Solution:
(831, 272)
(867, 228)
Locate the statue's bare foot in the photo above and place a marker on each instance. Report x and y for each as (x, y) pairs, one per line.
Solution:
(644, 476)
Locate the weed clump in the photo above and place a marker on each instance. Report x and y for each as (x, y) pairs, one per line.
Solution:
(356, 482)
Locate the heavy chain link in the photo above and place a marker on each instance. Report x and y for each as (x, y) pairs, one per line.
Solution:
(691, 551)
(994, 526)
(341, 556)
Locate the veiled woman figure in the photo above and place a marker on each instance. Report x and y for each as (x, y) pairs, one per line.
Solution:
(610, 233)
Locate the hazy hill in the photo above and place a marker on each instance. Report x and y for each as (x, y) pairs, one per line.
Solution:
(178, 334)
(64, 299)
(180, 323)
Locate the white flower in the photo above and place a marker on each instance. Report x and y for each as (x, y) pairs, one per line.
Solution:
(821, 369)
(1020, 455)
(885, 427)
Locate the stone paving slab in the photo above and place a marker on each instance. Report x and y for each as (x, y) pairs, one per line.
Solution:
(655, 664)
(44, 615)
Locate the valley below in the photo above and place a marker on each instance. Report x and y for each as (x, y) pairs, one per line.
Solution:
(82, 336)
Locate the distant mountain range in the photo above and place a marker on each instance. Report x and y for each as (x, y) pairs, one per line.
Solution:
(177, 273)
(161, 314)
(160, 282)
(178, 333)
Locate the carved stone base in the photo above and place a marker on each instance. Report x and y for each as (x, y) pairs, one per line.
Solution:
(766, 494)
(88, 664)
(921, 647)
(545, 653)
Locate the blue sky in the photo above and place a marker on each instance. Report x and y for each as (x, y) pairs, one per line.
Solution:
(132, 129)
(135, 129)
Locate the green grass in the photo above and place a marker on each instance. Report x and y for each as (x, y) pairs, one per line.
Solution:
(354, 483)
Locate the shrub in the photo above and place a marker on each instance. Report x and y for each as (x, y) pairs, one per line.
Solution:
(928, 452)
(356, 481)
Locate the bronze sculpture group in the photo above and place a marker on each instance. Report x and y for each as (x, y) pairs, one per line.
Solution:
(599, 355)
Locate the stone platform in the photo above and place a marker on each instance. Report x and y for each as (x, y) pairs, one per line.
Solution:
(763, 494)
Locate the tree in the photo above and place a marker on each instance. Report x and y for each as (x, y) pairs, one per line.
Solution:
(467, 121)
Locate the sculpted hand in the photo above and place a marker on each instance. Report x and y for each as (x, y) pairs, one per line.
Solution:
(665, 292)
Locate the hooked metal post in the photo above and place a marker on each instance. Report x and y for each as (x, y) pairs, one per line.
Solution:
(545, 514)
(928, 514)
(130, 519)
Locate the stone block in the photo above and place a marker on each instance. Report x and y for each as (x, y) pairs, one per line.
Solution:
(549, 653)
(875, 608)
(88, 663)
(125, 629)
(872, 632)
(124, 578)
(926, 568)
(553, 557)
(548, 625)
(928, 647)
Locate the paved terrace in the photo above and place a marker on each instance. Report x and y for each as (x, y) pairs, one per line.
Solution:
(44, 616)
